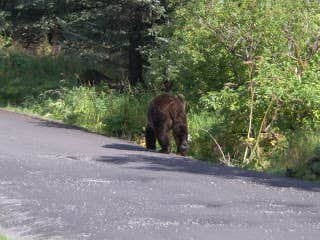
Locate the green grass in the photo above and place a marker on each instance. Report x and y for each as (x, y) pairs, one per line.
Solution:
(3, 237)
(301, 146)
(113, 114)
(200, 126)
(22, 75)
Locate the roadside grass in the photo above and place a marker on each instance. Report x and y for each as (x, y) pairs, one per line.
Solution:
(112, 114)
(201, 128)
(295, 159)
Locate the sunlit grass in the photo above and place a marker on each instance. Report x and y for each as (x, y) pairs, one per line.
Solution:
(113, 114)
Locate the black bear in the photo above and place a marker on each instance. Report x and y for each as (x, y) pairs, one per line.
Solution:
(167, 113)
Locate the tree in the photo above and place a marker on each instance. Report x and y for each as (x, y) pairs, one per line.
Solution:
(106, 31)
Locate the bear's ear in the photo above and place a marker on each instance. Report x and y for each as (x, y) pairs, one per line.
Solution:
(181, 97)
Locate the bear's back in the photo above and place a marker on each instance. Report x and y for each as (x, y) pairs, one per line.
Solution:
(166, 108)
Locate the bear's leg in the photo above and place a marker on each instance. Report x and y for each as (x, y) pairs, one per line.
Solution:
(163, 138)
(181, 139)
(177, 140)
(150, 138)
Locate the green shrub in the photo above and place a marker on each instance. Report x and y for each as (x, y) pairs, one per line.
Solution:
(253, 64)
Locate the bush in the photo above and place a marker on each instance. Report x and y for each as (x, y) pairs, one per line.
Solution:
(254, 65)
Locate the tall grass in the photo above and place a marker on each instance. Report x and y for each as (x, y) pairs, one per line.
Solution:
(302, 146)
(200, 125)
(294, 159)
(113, 114)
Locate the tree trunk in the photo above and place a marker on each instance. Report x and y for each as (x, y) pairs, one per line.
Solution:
(135, 70)
(135, 59)
(165, 4)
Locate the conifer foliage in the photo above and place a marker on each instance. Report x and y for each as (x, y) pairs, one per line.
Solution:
(109, 31)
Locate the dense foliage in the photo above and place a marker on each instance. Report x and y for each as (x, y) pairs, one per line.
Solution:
(249, 70)
(108, 32)
(253, 64)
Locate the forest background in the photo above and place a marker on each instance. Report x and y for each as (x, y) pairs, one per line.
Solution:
(250, 72)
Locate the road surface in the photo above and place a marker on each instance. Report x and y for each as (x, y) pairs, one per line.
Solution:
(58, 182)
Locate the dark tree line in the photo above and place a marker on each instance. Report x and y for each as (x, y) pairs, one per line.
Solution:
(110, 31)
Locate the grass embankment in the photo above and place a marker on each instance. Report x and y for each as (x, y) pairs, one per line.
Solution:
(46, 87)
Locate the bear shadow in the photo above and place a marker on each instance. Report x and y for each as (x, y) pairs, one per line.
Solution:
(126, 147)
(173, 163)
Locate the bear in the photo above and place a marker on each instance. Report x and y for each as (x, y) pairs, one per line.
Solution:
(165, 113)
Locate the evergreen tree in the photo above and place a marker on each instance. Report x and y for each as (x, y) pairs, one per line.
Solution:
(106, 31)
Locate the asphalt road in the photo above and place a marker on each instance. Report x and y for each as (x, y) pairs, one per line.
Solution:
(57, 182)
